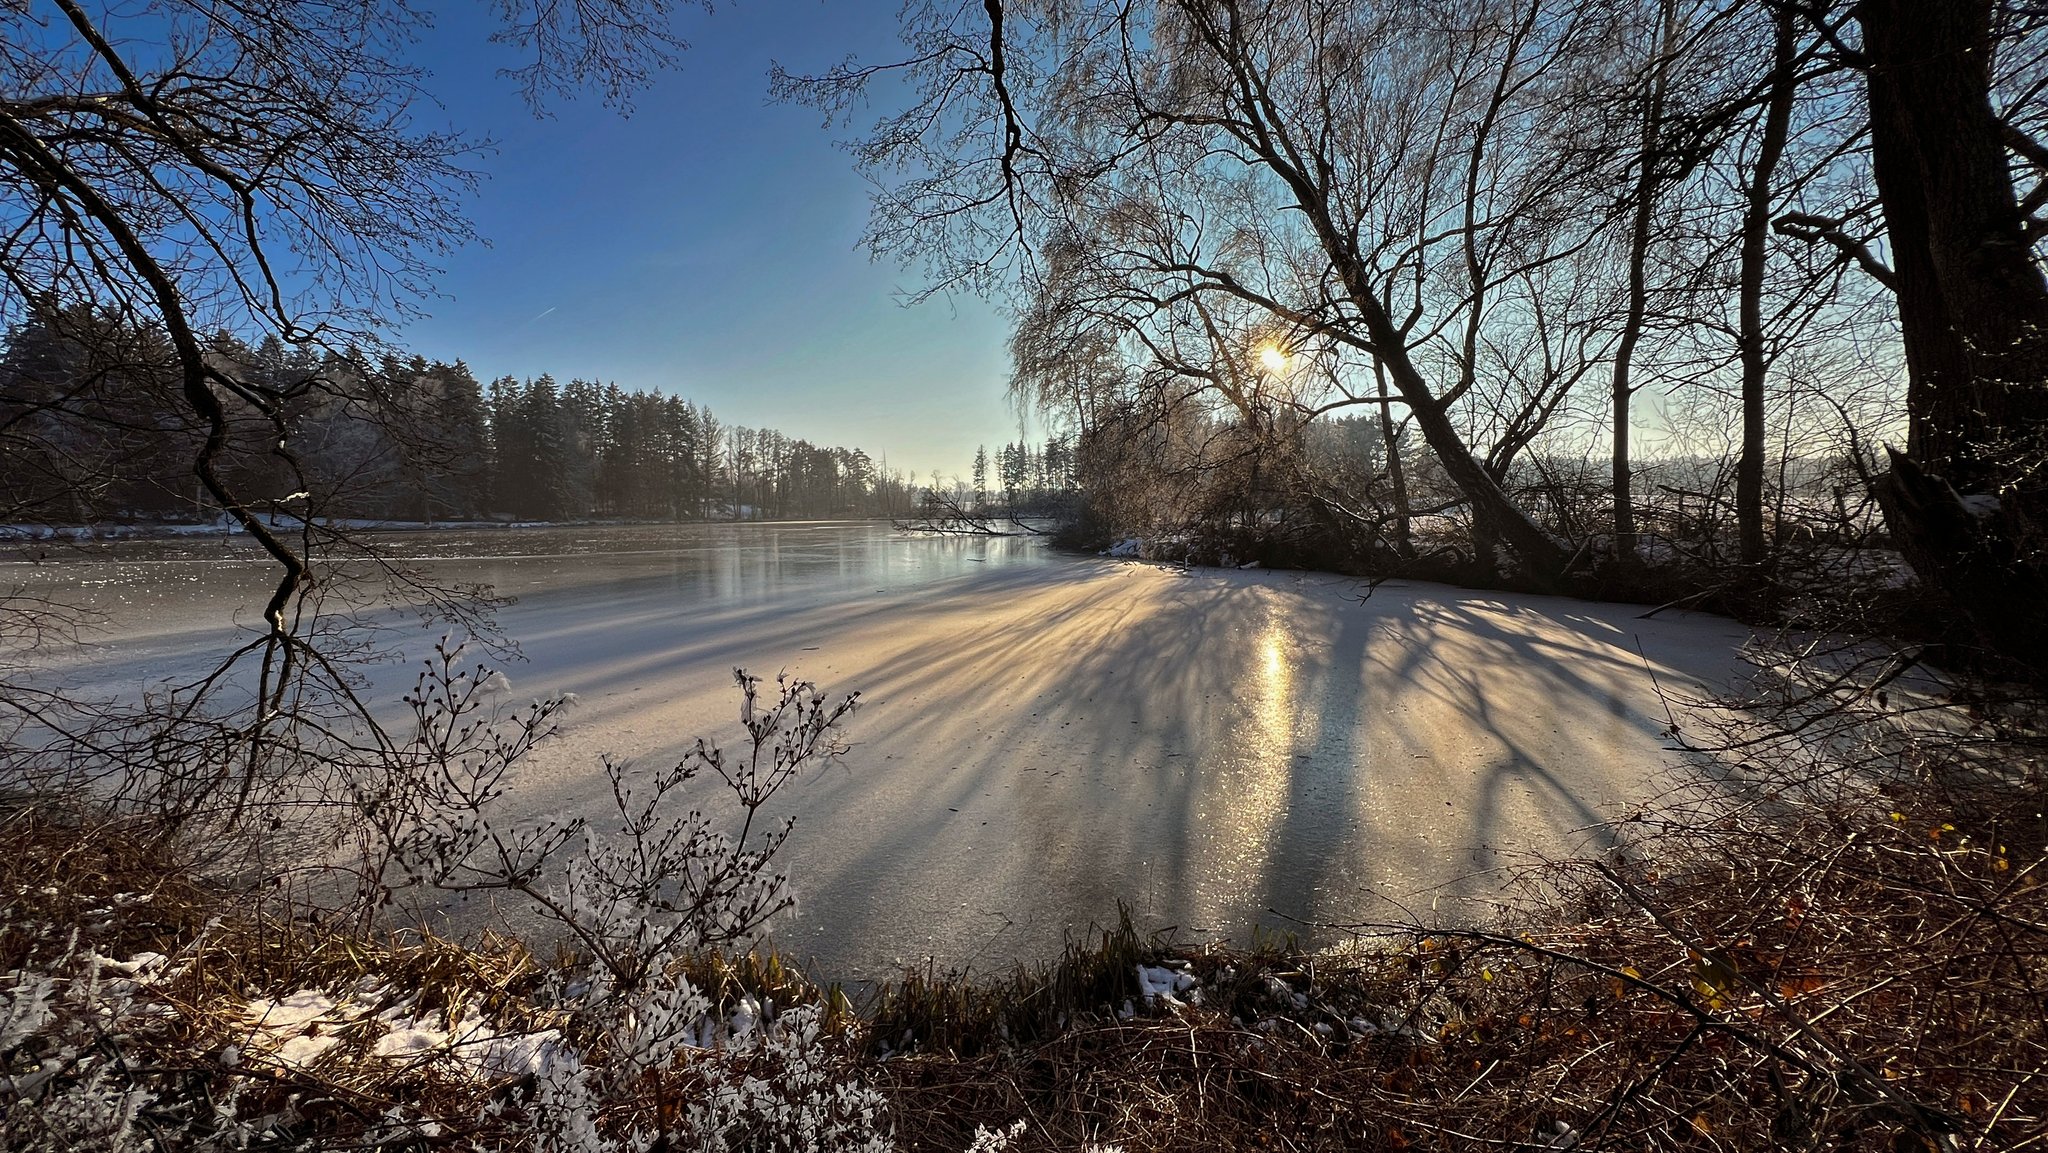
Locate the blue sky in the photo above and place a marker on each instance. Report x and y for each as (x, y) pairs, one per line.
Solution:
(706, 246)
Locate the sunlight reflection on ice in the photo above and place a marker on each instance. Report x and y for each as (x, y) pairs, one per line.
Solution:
(1248, 793)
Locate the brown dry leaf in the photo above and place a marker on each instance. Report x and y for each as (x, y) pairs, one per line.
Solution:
(1797, 986)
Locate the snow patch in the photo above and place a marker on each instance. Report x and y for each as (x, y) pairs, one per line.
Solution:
(297, 1030)
(473, 1047)
(1981, 505)
(298, 1010)
(143, 969)
(1160, 984)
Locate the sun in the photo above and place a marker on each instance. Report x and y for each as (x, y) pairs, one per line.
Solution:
(1272, 359)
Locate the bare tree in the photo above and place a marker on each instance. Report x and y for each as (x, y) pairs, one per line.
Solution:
(1362, 181)
(1781, 90)
(1650, 175)
(173, 169)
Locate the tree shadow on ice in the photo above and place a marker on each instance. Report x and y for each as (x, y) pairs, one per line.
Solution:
(640, 638)
(1572, 723)
(1313, 852)
(1146, 747)
(1206, 747)
(1072, 738)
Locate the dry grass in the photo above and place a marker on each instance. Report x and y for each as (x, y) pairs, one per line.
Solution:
(1857, 973)
(115, 884)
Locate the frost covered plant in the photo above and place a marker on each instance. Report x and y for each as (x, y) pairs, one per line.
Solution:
(657, 882)
(987, 1140)
(789, 1096)
(424, 806)
(781, 1090)
(662, 883)
(677, 1074)
(65, 1080)
(99, 1110)
(616, 1050)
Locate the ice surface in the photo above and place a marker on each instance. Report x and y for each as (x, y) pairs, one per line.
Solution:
(1043, 736)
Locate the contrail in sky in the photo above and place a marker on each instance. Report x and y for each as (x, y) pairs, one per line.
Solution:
(551, 308)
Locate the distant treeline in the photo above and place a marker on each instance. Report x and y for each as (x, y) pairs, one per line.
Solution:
(407, 438)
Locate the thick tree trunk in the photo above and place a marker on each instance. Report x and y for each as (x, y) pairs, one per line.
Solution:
(1307, 174)
(1972, 302)
(1495, 515)
(1973, 309)
(1623, 389)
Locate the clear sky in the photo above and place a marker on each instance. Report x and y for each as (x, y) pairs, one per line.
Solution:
(707, 246)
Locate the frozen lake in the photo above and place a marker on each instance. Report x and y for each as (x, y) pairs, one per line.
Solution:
(1041, 734)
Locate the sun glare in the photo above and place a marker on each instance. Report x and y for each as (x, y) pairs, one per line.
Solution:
(1272, 359)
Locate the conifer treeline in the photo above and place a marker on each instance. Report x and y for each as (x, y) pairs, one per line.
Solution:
(582, 449)
(400, 438)
(1022, 478)
(537, 449)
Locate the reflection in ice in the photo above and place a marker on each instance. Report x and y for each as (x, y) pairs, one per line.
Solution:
(1247, 782)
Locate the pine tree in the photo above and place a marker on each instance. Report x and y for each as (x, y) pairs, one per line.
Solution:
(511, 447)
(461, 489)
(549, 494)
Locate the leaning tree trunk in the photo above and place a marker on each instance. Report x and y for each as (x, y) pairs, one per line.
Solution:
(1495, 516)
(1967, 500)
